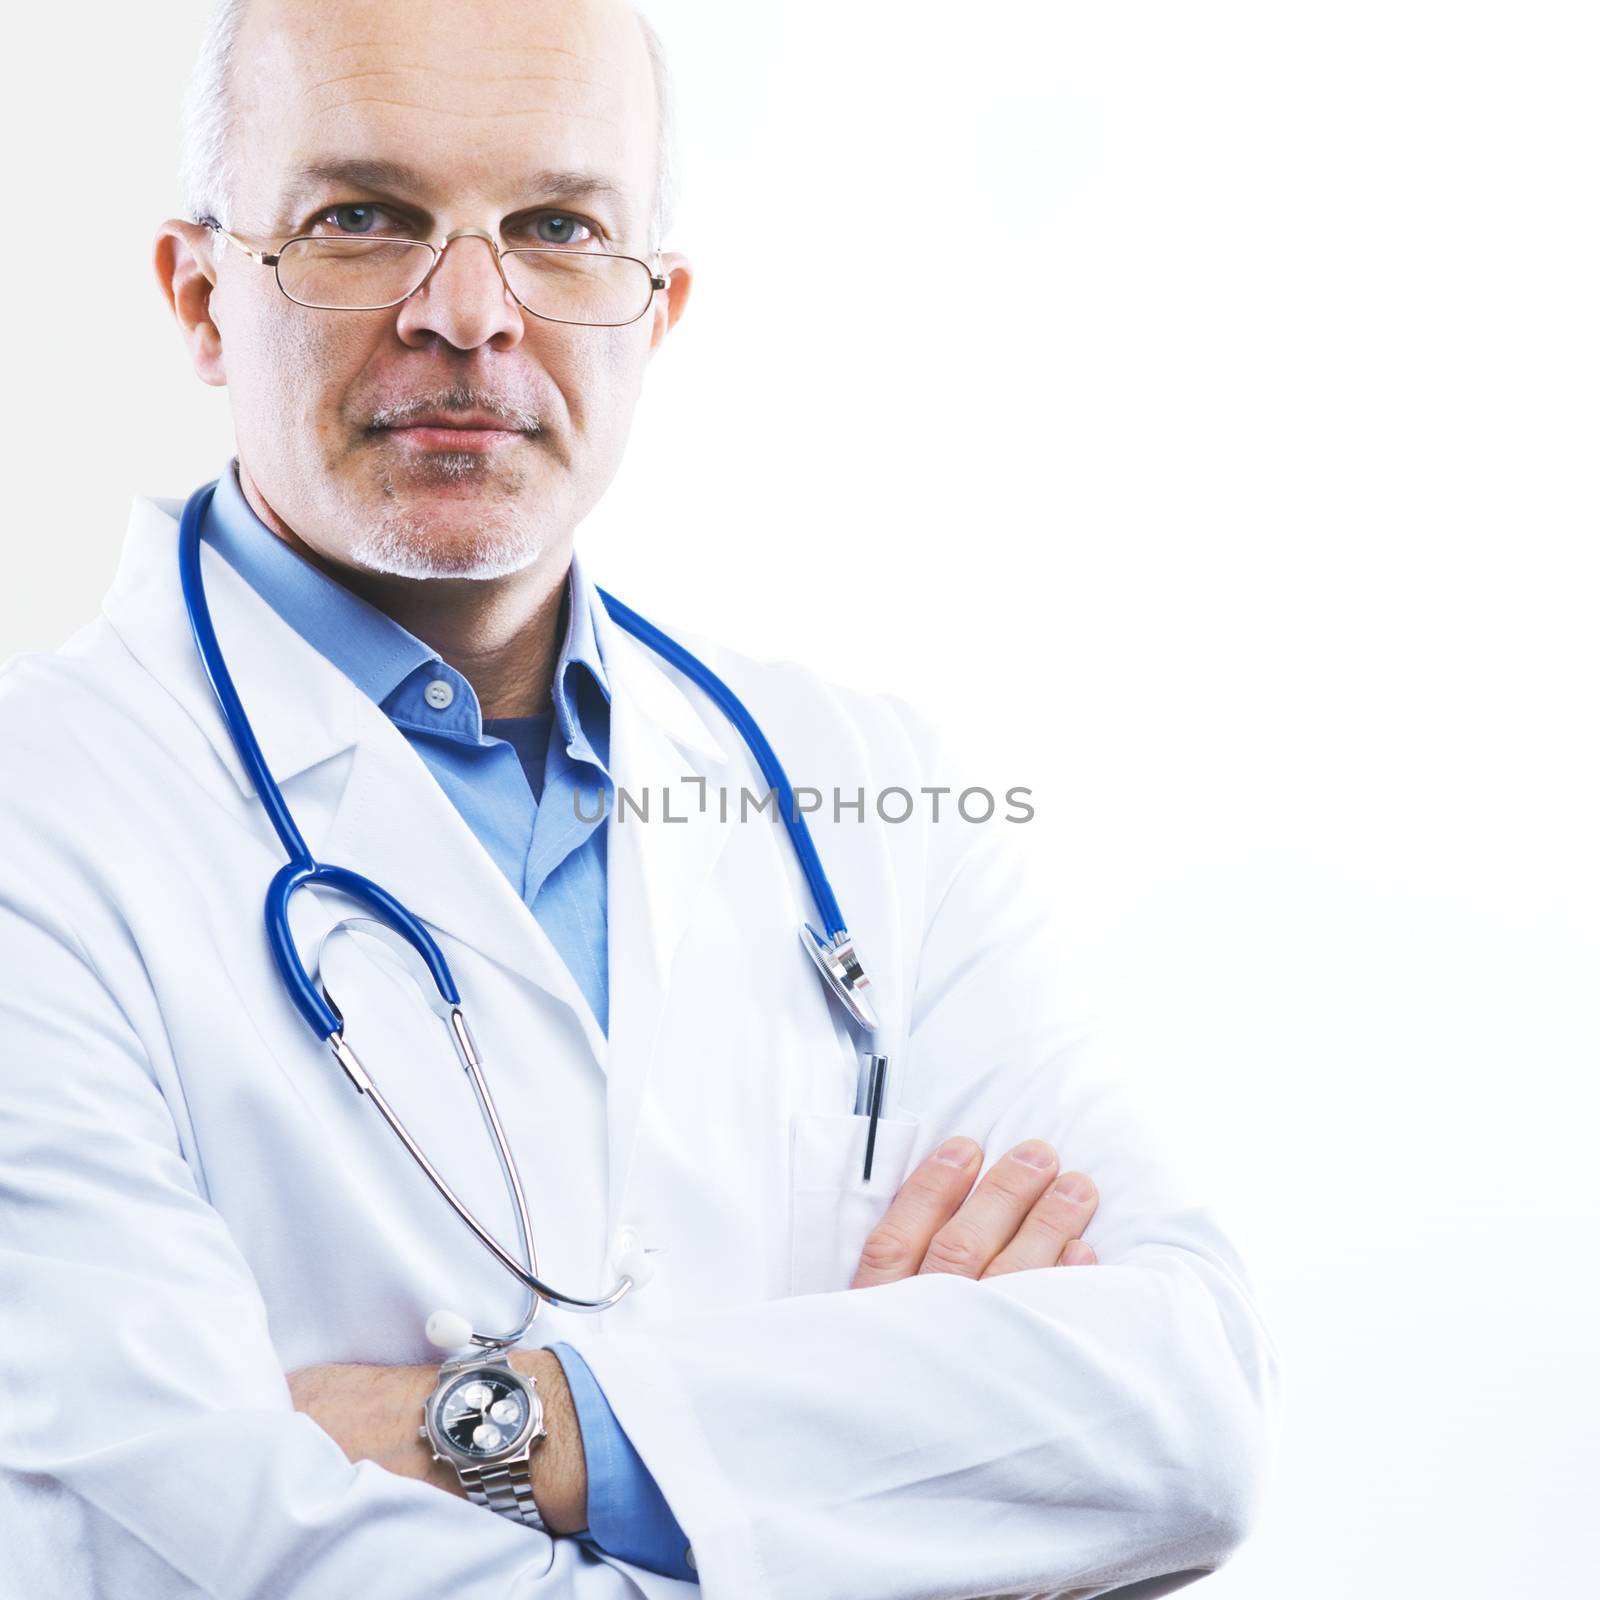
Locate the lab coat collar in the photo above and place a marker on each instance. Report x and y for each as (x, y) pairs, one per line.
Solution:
(296, 731)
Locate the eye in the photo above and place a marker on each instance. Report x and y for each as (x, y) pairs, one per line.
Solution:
(558, 228)
(357, 218)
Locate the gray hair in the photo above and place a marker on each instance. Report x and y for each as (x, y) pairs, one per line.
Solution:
(209, 172)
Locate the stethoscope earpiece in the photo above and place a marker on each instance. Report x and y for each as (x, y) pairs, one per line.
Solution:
(448, 1330)
(629, 1258)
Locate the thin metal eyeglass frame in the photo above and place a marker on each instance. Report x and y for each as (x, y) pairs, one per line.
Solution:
(273, 257)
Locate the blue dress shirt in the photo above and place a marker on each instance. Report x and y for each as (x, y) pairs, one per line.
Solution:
(499, 773)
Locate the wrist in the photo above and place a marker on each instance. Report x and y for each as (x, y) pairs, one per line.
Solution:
(557, 1470)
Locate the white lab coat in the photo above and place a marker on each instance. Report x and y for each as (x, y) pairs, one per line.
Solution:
(194, 1200)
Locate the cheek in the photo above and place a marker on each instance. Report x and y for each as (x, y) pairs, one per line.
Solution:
(599, 378)
(309, 366)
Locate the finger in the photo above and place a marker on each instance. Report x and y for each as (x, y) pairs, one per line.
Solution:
(925, 1202)
(992, 1213)
(1058, 1217)
(1079, 1254)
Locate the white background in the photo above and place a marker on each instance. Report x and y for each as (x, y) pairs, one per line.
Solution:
(1195, 406)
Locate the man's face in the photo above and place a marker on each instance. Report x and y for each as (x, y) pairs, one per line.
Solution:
(535, 122)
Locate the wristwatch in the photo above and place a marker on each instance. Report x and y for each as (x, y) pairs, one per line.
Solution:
(486, 1420)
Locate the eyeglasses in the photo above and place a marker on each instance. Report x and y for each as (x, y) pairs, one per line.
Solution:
(590, 288)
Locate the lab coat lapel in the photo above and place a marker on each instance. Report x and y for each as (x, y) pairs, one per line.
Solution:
(263, 654)
(389, 820)
(662, 756)
(395, 825)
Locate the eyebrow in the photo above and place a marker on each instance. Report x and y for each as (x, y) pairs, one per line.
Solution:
(551, 184)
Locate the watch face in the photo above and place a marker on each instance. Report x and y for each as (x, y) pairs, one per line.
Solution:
(482, 1412)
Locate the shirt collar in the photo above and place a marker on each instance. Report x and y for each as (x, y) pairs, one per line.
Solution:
(579, 711)
(373, 650)
(368, 647)
(581, 647)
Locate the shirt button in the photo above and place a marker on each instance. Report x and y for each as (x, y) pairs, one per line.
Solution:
(439, 694)
(688, 1558)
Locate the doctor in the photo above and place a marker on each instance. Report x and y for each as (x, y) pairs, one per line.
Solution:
(216, 1265)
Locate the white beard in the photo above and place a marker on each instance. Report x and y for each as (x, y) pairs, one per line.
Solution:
(401, 546)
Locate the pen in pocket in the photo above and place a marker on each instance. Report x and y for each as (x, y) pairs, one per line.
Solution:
(869, 1101)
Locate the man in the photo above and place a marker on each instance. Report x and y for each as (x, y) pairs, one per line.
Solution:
(215, 1267)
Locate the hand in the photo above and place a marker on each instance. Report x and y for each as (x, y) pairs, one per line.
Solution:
(373, 1413)
(1020, 1216)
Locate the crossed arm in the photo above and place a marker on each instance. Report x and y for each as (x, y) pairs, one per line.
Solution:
(1038, 1430)
(1023, 1214)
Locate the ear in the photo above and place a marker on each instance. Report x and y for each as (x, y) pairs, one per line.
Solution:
(187, 274)
(670, 302)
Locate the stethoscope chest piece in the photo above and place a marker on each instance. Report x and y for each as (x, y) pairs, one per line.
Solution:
(840, 967)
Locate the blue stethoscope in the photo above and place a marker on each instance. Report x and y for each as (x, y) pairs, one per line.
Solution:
(407, 943)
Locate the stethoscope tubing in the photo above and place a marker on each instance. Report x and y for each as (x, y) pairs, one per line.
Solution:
(733, 708)
(302, 870)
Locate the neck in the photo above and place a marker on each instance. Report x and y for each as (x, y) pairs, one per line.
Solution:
(503, 635)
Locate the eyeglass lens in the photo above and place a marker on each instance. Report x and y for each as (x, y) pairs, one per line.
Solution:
(368, 274)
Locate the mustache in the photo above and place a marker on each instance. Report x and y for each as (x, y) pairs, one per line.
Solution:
(458, 399)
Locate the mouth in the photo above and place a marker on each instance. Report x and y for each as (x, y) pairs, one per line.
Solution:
(475, 432)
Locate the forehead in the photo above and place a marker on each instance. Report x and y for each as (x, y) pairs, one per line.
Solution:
(469, 96)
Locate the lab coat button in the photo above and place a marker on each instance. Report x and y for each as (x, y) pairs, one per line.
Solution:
(688, 1558)
(439, 694)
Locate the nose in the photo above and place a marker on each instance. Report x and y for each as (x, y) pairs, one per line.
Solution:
(464, 299)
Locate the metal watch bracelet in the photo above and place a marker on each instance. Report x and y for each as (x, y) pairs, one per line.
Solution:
(506, 1488)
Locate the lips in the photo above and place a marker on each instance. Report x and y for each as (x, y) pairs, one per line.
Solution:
(469, 432)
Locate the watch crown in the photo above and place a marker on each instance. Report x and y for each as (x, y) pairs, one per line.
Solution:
(422, 1433)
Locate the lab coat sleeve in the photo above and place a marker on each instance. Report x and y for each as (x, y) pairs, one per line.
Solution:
(1060, 1431)
(148, 1443)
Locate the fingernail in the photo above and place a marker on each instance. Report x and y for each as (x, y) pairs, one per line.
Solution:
(954, 1152)
(1078, 1254)
(1074, 1186)
(1035, 1153)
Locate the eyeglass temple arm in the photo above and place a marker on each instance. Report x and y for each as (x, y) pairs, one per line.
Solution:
(266, 259)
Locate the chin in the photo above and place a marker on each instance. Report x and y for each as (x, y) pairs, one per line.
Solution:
(405, 544)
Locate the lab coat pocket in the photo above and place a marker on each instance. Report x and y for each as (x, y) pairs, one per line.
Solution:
(832, 1210)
